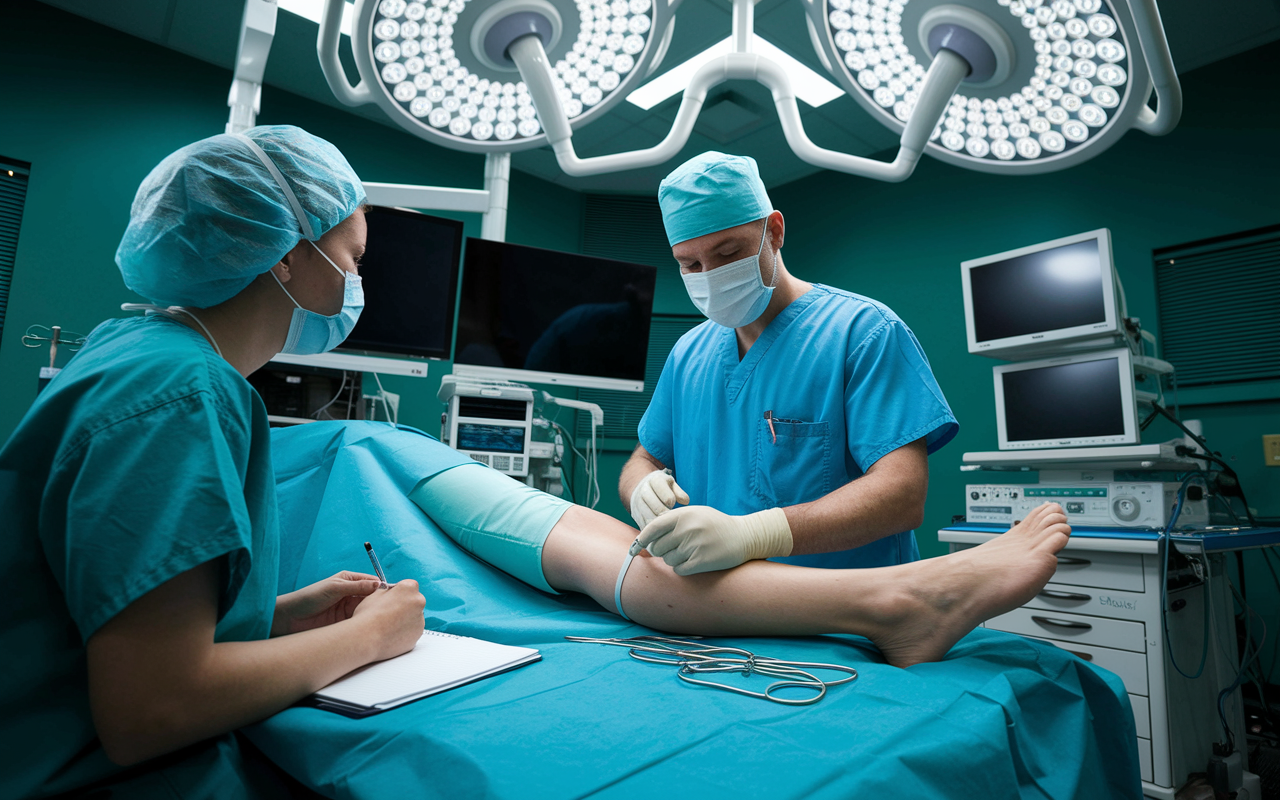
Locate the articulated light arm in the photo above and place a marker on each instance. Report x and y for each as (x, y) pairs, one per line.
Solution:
(491, 201)
(1155, 49)
(257, 31)
(944, 76)
(330, 65)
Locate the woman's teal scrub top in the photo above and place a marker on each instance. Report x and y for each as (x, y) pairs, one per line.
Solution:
(146, 456)
(845, 382)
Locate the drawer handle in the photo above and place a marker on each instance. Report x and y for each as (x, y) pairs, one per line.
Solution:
(1078, 654)
(1068, 561)
(1056, 595)
(1058, 623)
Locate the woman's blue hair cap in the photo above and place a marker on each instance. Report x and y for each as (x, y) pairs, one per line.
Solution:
(220, 212)
(709, 193)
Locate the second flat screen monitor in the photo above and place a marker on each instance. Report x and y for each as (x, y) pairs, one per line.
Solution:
(572, 319)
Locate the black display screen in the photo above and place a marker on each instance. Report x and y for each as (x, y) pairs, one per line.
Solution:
(492, 438)
(547, 311)
(1046, 291)
(410, 278)
(1064, 401)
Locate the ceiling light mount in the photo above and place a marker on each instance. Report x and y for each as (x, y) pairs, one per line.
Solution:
(504, 22)
(973, 36)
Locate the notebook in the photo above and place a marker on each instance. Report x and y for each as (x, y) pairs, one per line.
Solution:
(437, 663)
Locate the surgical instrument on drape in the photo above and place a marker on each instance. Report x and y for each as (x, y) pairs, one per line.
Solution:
(696, 658)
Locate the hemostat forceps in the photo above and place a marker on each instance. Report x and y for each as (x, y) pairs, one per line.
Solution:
(693, 659)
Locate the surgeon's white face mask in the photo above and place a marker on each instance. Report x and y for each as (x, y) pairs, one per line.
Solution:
(311, 333)
(733, 295)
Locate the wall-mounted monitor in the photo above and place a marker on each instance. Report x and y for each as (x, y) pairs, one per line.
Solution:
(1050, 297)
(410, 278)
(542, 316)
(1073, 401)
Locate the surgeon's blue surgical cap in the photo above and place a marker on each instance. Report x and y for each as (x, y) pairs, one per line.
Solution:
(214, 215)
(710, 193)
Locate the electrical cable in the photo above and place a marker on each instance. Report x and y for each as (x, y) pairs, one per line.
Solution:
(1167, 543)
(316, 414)
(572, 446)
(567, 472)
(1207, 455)
(1257, 651)
(386, 403)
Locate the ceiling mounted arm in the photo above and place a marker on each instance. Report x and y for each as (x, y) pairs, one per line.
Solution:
(1164, 78)
(330, 65)
(948, 70)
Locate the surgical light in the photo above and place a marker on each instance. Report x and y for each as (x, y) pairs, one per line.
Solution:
(1058, 81)
(440, 68)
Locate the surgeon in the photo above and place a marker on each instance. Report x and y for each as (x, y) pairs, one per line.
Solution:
(137, 497)
(796, 423)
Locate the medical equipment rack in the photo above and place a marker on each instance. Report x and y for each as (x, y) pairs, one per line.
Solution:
(1104, 604)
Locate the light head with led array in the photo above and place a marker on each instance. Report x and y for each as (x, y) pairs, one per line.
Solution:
(1052, 82)
(440, 68)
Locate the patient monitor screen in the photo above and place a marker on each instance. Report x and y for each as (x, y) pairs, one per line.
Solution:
(545, 311)
(1061, 287)
(1064, 401)
(410, 275)
(497, 438)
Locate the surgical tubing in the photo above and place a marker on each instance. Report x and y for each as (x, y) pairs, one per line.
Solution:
(617, 587)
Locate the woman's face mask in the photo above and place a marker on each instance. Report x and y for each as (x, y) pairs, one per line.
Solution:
(733, 295)
(311, 333)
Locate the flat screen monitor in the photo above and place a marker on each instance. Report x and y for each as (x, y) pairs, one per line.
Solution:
(410, 279)
(1055, 292)
(1073, 401)
(542, 316)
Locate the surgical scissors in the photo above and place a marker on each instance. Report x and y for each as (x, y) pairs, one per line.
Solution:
(696, 658)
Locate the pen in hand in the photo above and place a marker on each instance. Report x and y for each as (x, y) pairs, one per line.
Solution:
(377, 567)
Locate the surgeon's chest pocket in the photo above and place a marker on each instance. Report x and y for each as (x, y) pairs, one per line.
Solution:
(796, 468)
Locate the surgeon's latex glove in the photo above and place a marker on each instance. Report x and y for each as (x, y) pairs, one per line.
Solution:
(701, 539)
(655, 494)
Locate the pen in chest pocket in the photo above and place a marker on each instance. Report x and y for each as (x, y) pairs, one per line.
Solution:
(768, 417)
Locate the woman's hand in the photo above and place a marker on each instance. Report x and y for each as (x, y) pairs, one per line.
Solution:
(392, 619)
(323, 603)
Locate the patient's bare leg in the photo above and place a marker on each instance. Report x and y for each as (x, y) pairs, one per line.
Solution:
(913, 612)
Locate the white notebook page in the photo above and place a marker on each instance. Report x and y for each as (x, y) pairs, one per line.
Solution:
(439, 661)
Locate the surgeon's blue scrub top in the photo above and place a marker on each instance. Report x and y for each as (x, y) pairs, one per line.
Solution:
(146, 456)
(846, 381)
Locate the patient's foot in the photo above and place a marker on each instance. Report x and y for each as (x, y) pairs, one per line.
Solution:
(939, 600)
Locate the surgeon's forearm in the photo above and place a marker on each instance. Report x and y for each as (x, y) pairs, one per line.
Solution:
(640, 464)
(888, 499)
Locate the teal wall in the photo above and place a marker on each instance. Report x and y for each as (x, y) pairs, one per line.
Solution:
(96, 117)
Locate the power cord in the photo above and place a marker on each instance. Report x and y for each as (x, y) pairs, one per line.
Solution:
(1227, 488)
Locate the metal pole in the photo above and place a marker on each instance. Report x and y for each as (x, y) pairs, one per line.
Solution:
(497, 180)
(744, 22)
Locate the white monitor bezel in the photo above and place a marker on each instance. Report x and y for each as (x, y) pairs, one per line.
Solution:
(553, 378)
(1110, 327)
(1128, 402)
